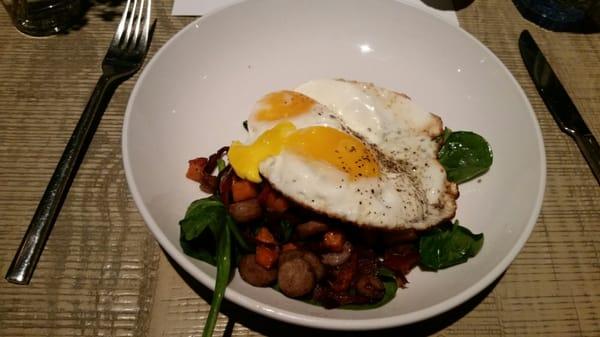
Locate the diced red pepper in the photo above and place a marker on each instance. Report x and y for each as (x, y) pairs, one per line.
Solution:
(242, 189)
(273, 200)
(334, 241)
(266, 256)
(289, 246)
(401, 258)
(264, 236)
(195, 169)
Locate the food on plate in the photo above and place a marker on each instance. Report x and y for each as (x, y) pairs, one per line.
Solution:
(340, 190)
(352, 151)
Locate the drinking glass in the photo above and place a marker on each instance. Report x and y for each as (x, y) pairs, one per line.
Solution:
(562, 15)
(43, 17)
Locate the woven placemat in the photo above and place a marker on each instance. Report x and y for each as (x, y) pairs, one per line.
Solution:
(103, 274)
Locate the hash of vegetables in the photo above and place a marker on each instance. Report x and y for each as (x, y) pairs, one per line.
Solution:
(276, 243)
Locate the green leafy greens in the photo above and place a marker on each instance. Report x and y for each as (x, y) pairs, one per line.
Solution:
(202, 213)
(221, 165)
(197, 242)
(465, 155)
(442, 248)
(444, 136)
(286, 230)
(223, 273)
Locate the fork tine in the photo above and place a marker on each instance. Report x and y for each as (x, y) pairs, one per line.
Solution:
(136, 32)
(121, 28)
(131, 15)
(143, 44)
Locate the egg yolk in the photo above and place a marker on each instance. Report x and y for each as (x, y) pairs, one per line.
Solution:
(245, 158)
(283, 104)
(320, 143)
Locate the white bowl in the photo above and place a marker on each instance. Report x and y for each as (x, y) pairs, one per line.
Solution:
(194, 94)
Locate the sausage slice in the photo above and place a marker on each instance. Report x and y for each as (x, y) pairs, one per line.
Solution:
(255, 274)
(296, 278)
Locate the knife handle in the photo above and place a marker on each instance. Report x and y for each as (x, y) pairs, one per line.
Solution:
(590, 150)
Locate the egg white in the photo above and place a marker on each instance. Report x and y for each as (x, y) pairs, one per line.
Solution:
(411, 190)
(318, 115)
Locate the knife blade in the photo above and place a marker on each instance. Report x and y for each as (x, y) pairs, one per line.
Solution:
(558, 102)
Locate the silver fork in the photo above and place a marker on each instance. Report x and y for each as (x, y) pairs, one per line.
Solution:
(125, 56)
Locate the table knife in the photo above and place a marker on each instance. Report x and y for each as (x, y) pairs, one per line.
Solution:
(558, 101)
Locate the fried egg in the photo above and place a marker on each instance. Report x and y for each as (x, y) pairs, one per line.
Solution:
(292, 106)
(350, 150)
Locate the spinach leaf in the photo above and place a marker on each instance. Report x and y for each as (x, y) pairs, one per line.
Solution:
(443, 248)
(202, 213)
(216, 249)
(287, 230)
(221, 165)
(198, 249)
(444, 136)
(223, 273)
(465, 155)
(239, 239)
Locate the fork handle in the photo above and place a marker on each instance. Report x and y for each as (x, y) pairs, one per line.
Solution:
(32, 245)
(588, 145)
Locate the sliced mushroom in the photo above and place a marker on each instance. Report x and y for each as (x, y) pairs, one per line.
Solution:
(290, 255)
(255, 274)
(317, 267)
(296, 278)
(310, 228)
(246, 210)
